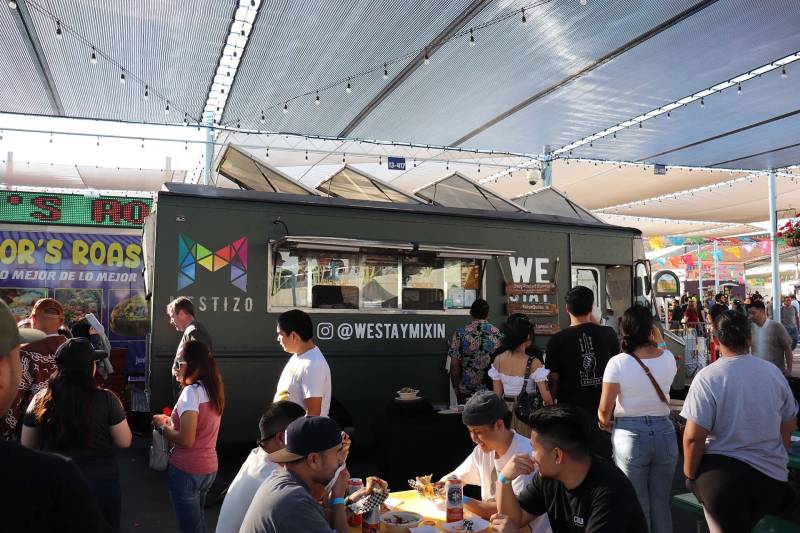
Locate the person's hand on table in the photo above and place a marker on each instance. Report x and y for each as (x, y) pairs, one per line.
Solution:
(519, 465)
(502, 524)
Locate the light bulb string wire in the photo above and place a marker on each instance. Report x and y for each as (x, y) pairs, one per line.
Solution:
(100, 53)
(382, 65)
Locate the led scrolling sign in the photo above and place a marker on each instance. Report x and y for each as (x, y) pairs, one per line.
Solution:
(73, 209)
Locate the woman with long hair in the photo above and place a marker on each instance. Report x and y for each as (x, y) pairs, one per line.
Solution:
(508, 370)
(74, 417)
(636, 387)
(193, 427)
(740, 414)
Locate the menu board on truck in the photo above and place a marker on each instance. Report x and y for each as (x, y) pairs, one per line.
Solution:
(87, 273)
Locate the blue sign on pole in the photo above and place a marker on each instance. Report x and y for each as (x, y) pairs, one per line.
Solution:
(397, 163)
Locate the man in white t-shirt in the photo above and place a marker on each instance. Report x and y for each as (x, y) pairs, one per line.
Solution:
(306, 378)
(257, 467)
(488, 419)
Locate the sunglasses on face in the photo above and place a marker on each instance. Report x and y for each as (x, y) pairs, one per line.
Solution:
(260, 442)
(177, 365)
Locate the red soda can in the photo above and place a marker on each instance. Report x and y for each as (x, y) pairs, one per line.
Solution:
(353, 484)
(372, 520)
(454, 499)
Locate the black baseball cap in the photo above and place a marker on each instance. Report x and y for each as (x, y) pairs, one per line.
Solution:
(307, 435)
(76, 354)
(483, 409)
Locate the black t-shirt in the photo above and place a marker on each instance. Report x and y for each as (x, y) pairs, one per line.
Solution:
(97, 460)
(604, 503)
(44, 492)
(579, 355)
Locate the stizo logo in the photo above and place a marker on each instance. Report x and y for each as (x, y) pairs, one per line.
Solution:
(371, 331)
(192, 253)
(530, 270)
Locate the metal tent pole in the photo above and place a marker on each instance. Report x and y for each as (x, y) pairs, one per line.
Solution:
(716, 269)
(773, 228)
(209, 120)
(699, 273)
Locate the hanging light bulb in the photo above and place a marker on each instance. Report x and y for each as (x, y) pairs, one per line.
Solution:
(385, 71)
(524, 20)
(146, 94)
(285, 108)
(316, 100)
(166, 108)
(348, 89)
(640, 125)
(93, 57)
(238, 124)
(471, 38)
(739, 89)
(344, 158)
(59, 34)
(702, 102)
(426, 59)
(263, 118)
(122, 77)
(186, 145)
(267, 154)
(615, 134)
(186, 119)
(783, 72)
(306, 155)
(669, 114)
(252, 3)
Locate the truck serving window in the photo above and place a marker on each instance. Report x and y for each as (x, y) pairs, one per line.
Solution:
(379, 280)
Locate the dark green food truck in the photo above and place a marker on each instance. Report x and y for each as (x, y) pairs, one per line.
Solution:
(385, 283)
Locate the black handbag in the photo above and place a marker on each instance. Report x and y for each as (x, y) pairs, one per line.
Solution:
(527, 402)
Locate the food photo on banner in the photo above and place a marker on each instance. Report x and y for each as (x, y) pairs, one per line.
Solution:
(87, 273)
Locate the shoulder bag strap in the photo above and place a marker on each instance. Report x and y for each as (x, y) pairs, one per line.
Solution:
(527, 372)
(652, 379)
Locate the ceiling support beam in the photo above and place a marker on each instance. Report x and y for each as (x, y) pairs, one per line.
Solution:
(28, 32)
(463, 18)
(765, 152)
(722, 135)
(589, 68)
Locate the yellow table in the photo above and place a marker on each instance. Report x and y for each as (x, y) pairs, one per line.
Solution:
(411, 501)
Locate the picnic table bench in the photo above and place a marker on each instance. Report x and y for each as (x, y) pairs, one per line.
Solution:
(768, 524)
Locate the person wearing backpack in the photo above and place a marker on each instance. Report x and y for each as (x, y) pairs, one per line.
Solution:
(636, 387)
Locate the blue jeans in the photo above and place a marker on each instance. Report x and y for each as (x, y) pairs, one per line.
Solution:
(188, 495)
(646, 449)
(793, 335)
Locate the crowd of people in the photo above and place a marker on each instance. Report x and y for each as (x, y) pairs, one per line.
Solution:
(579, 437)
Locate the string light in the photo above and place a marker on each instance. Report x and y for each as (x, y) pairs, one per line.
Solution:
(426, 59)
(306, 155)
(263, 118)
(267, 153)
(93, 57)
(122, 77)
(385, 73)
(316, 100)
(344, 158)
(739, 89)
(166, 108)
(783, 72)
(471, 38)
(702, 102)
(348, 89)
(59, 33)
(524, 20)
(146, 94)
(285, 108)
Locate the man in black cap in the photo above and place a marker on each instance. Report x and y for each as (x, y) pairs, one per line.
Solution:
(488, 420)
(42, 492)
(287, 500)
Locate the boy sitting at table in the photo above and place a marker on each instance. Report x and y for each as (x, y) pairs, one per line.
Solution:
(488, 420)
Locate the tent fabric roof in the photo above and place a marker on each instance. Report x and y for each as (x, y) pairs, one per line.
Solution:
(572, 71)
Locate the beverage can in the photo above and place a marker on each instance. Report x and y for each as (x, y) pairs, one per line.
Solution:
(454, 499)
(354, 484)
(371, 520)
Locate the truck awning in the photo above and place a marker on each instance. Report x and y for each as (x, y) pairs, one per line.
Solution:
(342, 244)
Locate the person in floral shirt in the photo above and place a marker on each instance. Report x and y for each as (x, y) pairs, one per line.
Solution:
(471, 350)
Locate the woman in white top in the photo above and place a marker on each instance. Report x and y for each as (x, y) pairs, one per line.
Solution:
(508, 369)
(643, 437)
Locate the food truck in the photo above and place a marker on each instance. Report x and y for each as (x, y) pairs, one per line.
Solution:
(386, 285)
